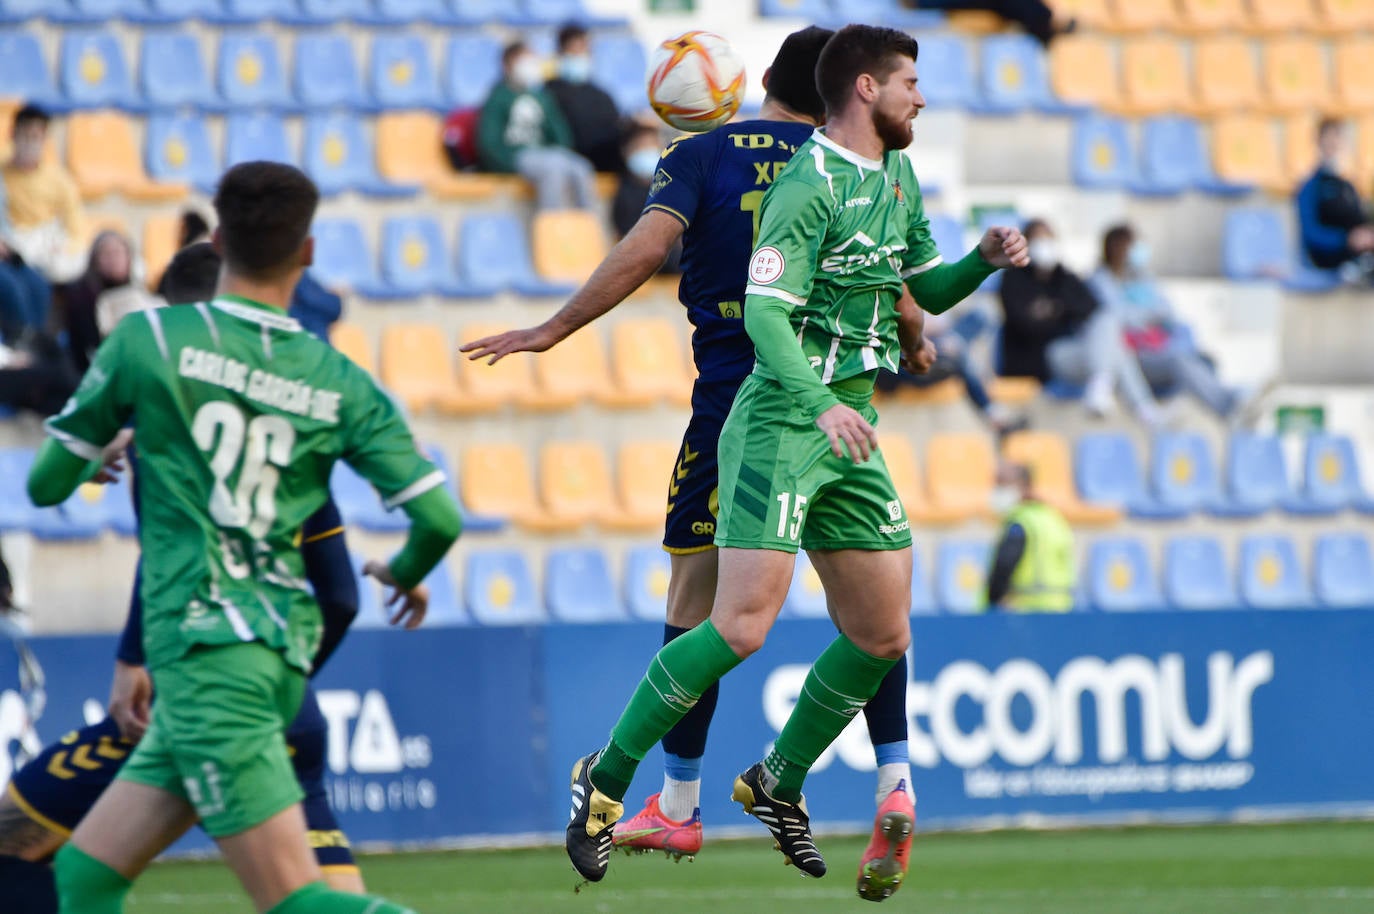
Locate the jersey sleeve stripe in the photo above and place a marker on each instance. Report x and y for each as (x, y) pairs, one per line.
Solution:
(415, 490)
(930, 264)
(788, 297)
(37, 817)
(83, 449)
(670, 211)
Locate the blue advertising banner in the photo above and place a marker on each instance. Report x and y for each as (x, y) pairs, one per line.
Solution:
(465, 733)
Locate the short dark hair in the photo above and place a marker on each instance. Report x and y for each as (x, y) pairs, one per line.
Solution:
(31, 114)
(512, 51)
(265, 210)
(792, 77)
(853, 51)
(570, 33)
(1116, 236)
(1034, 225)
(193, 225)
(638, 130)
(1329, 123)
(192, 274)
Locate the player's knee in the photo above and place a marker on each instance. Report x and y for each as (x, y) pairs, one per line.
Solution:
(744, 635)
(888, 645)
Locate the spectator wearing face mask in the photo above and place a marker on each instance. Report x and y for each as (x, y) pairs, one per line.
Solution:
(588, 109)
(521, 131)
(43, 205)
(641, 151)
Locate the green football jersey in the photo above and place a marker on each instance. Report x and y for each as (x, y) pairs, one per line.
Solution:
(239, 416)
(838, 235)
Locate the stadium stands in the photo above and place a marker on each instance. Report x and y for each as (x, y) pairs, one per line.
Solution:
(578, 586)
(499, 589)
(960, 567)
(1197, 575)
(1120, 577)
(1271, 576)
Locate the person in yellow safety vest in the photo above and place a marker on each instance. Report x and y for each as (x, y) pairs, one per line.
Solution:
(1033, 566)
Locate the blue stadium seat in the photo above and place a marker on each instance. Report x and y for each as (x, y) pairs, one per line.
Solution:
(338, 156)
(1120, 576)
(945, 69)
(578, 586)
(16, 511)
(647, 570)
(476, 12)
(83, 516)
(94, 73)
(343, 260)
(172, 72)
(620, 66)
(1331, 474)
(1013, 77)
(558, 12)
(806, 597)
(24, 70)
(1107, 471)
(119, 507)
(472, 65)
(494, 255)
(1255, 245)
(922, 590)
(360, 504)
(1343, 571)
(404, 12)
(414, 259)
(499, 589)
(402, 73)
(250, 137)
(331, 12)
(327, 75)
(84, 12)
(810, 10)
(1184, 475)
(1103, 155)
(1197, 575)
(24, 10)
(1271, 576)
(889, 13)
(160, 12)
(1174, 159)
(1257, 477)
(177, 151)
(253, 12)
(961, 571)
(445, 608)
(250, 73)
(371, 612)
(948, 234)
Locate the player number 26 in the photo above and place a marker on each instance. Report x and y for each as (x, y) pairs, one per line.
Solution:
(256, 449)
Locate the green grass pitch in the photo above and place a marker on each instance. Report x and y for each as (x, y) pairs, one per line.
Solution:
(1258, 869)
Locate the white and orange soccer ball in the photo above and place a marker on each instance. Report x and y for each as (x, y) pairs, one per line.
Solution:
(696, 81)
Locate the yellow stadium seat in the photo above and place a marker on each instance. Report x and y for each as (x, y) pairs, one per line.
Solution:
(8, 108)
(1341, 17)
(975, 22)
(1354, 66)
(647, 364)
(1141, 15)
(1272, 17)
(160, 237)
(574, 371)
(575, 483)
(1226, 75)
(353, 341)
(1210, 17)
(1154, 77)
(495, 481)
(1083, 70)
(104, 159)
(1051, 468)
(410, 151)
(900, 457)
(416, 365)
(1013, 391)
(644, 467)
(483, 387)
(1091, 14)
(568, 244)
(960, 469)
(1364, 142)
(1295, 76)
(941, 393)
(1245, 151)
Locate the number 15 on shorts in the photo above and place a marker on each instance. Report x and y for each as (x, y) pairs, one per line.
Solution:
(796, 516)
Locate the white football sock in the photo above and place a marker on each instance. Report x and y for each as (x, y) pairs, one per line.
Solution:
(679, 799)
(889, 776)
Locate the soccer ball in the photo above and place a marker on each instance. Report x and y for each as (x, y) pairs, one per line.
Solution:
(696, 82)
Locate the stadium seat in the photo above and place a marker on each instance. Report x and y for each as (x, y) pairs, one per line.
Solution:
(568, 244)
(15, 11)
(370, 607)
(177, 151)
(255, 12)
(1354, 74)
(1103, 154)
(255, 136)
(647, 570)
(162, 12)
(331, 12)
(1051, 466)
(1226, 76)
(1343, 571)
(1120, 576)
(361, 505)
(1154, 77)
(354, 342)
(172, 73)
(402, 73)
(647, 363)
(1210, 17)
(483, 387)
(103, 159)
(406, 12)
(343, 260)
(810, 10)
(948, 234)
(962, 468)
(1174, 159)
(1013, 76)
(922, 588)
(74, 519)
(1331, 474)
(15, 508)
(1295, 74)
(94, 73)
(161, 238)
(1273, 17)
(641, 468)
(575, 371)
(445, 606)
(494, 256)
(620, 66)
(948, 79)
(326, 73)
(119, 507)
(961, 569)
(1183, 473)
(900, 457)
(475, 12)
(338, 156)
(1141, 15)
(410, 151)
(1257, 476)
(558, 12)
(1271, 576)
(1299, 150)
(416, 365)
(499, 589)
(1092, 15)
(24, 70)
(1107, 471)
(250, 73)
(1254, 245)
(1342, 17)
(472, 65)
(1082, 72)
(414, 259)
(496, 483)
(805, 597)
(578, 586)
(1197, 575)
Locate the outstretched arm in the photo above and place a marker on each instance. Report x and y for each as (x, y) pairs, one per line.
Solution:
(942, 287)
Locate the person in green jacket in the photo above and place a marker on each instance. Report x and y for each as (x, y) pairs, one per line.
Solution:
(1033, 567)
(521, 131)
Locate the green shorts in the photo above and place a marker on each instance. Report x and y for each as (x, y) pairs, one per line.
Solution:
(218, 735)
(781, 487)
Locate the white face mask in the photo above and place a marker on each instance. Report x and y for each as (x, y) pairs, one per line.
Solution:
(642, 163)
(1044, 253)
(28, 151)
(1138, 257)
(1003, 499)
(528, 72)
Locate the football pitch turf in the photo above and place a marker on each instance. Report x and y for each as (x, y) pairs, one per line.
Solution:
(1323, 868)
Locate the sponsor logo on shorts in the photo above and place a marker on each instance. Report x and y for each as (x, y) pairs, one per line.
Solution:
(894, 510)
(891, 529)
(766, 266)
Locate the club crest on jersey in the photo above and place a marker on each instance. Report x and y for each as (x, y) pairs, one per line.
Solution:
(661, 180)
(766, 266)
(897, 189)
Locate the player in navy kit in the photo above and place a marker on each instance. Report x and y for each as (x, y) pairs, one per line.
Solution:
(707, 190)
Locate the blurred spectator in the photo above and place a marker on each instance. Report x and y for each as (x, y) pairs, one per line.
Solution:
(314, 306)
(193, 229)
(642, 149)
(588, 109)
(1053, 329)
(1034, 16)
(6, 587)
(24, 293)
(1033, 566)
(1165, 348)
(1335, 223)
(44, 207)
(92, 304)
(521, 131)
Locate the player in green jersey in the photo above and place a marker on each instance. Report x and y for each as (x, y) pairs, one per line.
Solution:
(239, 416)
(841, 229)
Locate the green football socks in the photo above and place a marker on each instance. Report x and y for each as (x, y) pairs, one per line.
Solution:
(319, 898)
(840, 683)
(678, 674)
(87, 886)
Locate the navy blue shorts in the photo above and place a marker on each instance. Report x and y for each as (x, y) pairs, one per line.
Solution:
(692, 493)
(60, 785)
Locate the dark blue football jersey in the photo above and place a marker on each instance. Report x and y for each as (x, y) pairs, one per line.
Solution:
(714, 183)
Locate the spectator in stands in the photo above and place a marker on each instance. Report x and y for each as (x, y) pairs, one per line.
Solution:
(1034, 16)
(45, 215)
(641, 152)
(1335, 223)
(24, 293)
(1033, 566)
(1053, 329)
(93, 303)
(6, 587)
(588, 109)
(1165, 348)
(521, 131)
